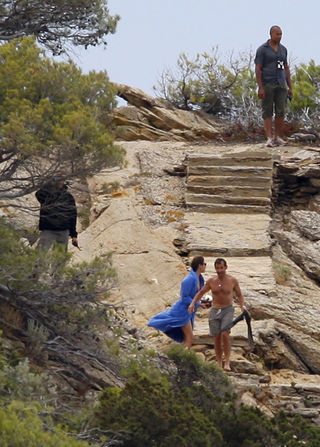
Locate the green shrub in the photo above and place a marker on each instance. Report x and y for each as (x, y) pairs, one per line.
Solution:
(17, 261)
(191, 406)
(192, 370)
(20, 426)
(296, 431)
(152, 413)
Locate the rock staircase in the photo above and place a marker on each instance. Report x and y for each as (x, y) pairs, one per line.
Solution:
(228, 202)
(228, 198)
(229, 183)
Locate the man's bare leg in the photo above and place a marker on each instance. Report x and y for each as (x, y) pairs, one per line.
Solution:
(218, 349)
(188, 335)
(226, 350)
(279, 125)
(268, 127)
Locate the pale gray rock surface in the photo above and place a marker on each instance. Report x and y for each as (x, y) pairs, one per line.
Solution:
(138, 212)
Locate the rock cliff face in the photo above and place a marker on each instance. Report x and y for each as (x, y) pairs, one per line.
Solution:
(182, 194)
(152, 231)
(258, 209)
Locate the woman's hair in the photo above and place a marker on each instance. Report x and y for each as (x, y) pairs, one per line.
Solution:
(198, 260)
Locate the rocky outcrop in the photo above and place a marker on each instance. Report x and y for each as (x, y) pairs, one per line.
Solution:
(139, 214)
(282, 380)
(300, 239)
(297, 207)
(282, 298)
(297, 180)
(147, 118)
(138, 225)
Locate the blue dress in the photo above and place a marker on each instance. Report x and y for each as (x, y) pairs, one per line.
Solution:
(172, 320)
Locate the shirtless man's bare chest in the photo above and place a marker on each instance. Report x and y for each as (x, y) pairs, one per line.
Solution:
(222, 291)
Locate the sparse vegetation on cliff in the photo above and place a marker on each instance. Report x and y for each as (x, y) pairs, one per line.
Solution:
(193, 406)
(228, 89)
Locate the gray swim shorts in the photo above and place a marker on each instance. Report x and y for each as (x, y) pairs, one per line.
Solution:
(219, 319)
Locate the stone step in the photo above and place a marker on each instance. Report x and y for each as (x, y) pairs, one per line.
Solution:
(239, 191)
(226, 180)
(235, 159)
(246, 382)
(314, 403)
(309, 413)
(213, 199)
(227, 208)
(309, 388)
(243, 171)
(217, 235)
(220, 252)
(207, 340)
(290, 399)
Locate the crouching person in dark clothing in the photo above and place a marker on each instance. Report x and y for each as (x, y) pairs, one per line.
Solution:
(58, 215)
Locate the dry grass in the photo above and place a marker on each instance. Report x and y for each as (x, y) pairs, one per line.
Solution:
(119, 194)
(282, 273)
(174, 215)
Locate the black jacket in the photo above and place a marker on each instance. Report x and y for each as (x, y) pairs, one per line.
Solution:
(58, 210)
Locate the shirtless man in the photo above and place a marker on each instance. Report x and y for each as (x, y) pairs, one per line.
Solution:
(223, 288)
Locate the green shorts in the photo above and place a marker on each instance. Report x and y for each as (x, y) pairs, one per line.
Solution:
(274, 101)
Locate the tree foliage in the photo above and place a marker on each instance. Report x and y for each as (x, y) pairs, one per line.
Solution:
(16, 260)
(148, 411)
(53, 311)
(202, 82)
(52, 118)
(306, 99)
(56, 23)
(46, 279)
(20, 426)
(27, 404)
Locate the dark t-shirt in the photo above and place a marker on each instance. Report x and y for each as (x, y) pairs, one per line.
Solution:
(273, 63)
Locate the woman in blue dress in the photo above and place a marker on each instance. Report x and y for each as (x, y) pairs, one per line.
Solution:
(177, 322)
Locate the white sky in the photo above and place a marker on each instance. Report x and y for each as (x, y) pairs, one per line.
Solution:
(152, 33)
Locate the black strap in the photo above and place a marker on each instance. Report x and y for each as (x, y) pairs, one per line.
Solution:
(245, 315)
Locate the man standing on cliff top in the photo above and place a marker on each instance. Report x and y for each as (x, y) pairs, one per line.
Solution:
(274, 85)
(223, 288)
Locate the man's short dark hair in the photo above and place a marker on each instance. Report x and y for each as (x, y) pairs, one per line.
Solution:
(196, 261)
(273, 28)
(220, 261)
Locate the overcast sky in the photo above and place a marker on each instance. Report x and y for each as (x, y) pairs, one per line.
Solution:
(152, 33)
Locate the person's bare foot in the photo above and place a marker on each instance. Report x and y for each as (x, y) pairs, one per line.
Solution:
(227, 367)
